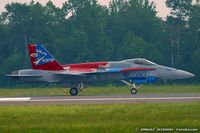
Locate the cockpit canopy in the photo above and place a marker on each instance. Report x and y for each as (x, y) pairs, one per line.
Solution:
(140, 61)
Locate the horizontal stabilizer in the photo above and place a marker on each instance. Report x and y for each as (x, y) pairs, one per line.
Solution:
(22, 75)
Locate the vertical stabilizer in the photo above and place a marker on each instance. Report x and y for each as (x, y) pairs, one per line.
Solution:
(41, 59)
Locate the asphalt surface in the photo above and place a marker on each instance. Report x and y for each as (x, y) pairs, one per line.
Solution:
(119, 99)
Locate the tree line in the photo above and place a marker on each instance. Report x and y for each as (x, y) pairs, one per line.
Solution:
(84, 30)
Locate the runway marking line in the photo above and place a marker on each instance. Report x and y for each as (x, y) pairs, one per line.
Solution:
(23, 99)
(20, 99)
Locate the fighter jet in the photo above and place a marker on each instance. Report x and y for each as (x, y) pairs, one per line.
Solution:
(76, 76)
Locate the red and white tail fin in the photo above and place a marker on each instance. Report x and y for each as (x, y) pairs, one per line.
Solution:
(41, 59)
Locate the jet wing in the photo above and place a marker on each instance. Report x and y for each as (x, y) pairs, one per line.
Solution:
(83, 72)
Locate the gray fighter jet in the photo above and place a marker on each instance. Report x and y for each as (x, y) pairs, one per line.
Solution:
(76, 76)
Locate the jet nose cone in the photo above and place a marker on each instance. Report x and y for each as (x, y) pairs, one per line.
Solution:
(184, 74)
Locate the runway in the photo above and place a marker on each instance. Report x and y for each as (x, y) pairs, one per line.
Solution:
(119, 99)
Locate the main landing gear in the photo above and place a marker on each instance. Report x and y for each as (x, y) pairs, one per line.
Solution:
(74, 90)
(133, 87)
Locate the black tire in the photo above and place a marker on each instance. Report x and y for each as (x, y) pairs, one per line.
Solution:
(73, 91)
(133, 91)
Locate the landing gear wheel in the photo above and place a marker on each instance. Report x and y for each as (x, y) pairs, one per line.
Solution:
(73, 91)
(133, 90)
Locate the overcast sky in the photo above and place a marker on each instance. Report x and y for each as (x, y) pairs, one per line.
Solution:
(160, 4)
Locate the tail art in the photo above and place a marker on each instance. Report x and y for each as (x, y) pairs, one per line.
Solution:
(41, 59)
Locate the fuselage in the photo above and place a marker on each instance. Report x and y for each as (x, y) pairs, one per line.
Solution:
(137, 70)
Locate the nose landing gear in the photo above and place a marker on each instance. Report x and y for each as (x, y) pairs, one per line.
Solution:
(133, 86)
(133, 91)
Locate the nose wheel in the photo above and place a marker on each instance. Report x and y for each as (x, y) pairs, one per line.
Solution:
(133, 91)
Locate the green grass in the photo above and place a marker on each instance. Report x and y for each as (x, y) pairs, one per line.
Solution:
(110, 118)
(106, 90)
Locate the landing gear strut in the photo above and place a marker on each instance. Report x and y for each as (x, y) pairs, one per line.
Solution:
(133, 86)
